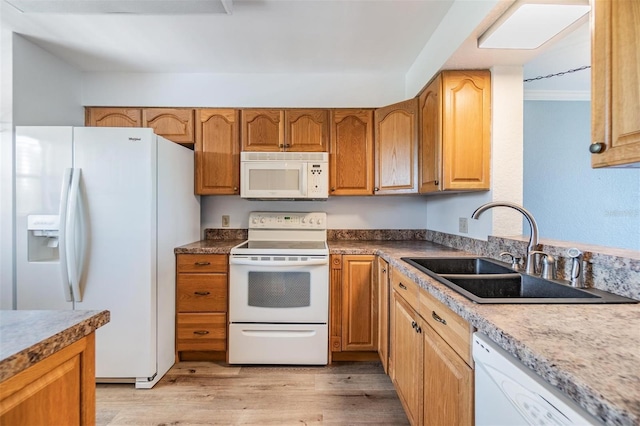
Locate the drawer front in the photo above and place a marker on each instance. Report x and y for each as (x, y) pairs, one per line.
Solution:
(202, 263)
(202, 332)
(406, 288)
(202, 292)
(449, 325)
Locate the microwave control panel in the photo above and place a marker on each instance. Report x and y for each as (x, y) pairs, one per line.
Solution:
(317, 180)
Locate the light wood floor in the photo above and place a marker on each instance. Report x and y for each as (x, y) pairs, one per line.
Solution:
(205, 393)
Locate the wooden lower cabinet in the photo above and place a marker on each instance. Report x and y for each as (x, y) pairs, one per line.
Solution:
(406, 353)
(448, 383)
(354, 304)
(383, 311)
(430, 363)
(59, 390)
(201, 304)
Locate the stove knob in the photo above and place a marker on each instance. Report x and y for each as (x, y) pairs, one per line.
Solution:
(263, 220)
(311, 221)
(304, 220)
(319, 221)
(254, 221)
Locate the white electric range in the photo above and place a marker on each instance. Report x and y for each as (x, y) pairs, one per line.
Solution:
(279, 291)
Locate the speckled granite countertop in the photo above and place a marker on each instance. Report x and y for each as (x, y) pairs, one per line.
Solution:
(208, 247)
(28, 337)
(590, 352)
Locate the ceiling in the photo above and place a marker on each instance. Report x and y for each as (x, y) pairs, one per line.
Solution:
(273, 36)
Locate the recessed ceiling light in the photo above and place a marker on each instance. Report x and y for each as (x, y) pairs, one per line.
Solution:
(530, 25)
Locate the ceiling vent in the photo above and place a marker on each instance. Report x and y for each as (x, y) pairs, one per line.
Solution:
(136, 7)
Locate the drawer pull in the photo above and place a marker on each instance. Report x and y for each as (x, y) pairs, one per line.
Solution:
(419, 329)
(203, 263)
(201, 332)
(202, 293)
(438, 318)
(402, 286)
(414, 324)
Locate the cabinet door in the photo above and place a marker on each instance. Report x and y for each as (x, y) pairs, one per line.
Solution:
(448, 383)
(396, 132)
(383, 312)
(406, 356)
(262, 129)
(177, 125)
(430, 163)
(113, 117)
(615, 91)
(351, 153)
(466, 130)
(359, 304)
(217, 152)
(306, 130)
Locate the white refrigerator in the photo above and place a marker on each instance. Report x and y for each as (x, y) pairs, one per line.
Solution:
(98, 212)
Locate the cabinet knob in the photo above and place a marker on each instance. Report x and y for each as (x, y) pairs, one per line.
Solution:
(333, 190)
(235, 189)
(281, 145)
(597, 148)
(436, 182)
(376, 189)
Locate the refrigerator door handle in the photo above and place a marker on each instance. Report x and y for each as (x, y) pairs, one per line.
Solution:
(62, 240)
(71, 235)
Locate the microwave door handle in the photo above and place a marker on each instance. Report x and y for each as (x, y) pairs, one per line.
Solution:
(305, 174)
(310, 262)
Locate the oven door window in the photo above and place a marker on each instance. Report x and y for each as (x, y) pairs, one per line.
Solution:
(279, 289)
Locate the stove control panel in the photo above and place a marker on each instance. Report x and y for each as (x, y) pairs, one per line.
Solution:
(294, 220)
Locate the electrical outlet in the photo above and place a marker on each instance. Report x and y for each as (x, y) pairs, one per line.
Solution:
(463, 225)
(225, 220)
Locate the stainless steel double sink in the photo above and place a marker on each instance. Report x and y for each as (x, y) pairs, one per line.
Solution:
(485, 280)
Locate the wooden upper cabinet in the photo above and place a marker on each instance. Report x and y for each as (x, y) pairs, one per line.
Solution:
(113, 117)
(615, 87)
(455, 132)
(262, 129)
(217, 151)
(297, 130)
(175, 124)
(306, 130)
(351, 152)
(396, 133)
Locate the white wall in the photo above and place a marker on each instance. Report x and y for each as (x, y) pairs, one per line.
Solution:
(444, 211)
(570, 200)
(242, 90)
(375, 212)
(38, 89)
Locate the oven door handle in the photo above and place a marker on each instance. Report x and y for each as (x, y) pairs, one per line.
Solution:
(310, 262)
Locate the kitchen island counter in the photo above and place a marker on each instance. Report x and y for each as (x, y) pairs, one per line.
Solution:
(47, 366)
(28, 337)
(590, 352)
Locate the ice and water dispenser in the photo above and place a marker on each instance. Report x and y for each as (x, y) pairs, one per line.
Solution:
(42, 240)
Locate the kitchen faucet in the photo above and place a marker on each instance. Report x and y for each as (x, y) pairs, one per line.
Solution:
(529, 264)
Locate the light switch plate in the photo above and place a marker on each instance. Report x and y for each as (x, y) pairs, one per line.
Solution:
(463, 225)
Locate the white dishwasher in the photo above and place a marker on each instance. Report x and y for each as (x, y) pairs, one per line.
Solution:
(508, 393)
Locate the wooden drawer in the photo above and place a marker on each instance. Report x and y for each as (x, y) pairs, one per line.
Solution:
(201, 263)
(202, 332)
(202, 292)
(449, 325)
(406, 288)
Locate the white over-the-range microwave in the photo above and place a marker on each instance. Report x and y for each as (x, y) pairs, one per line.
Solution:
(284, 175)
